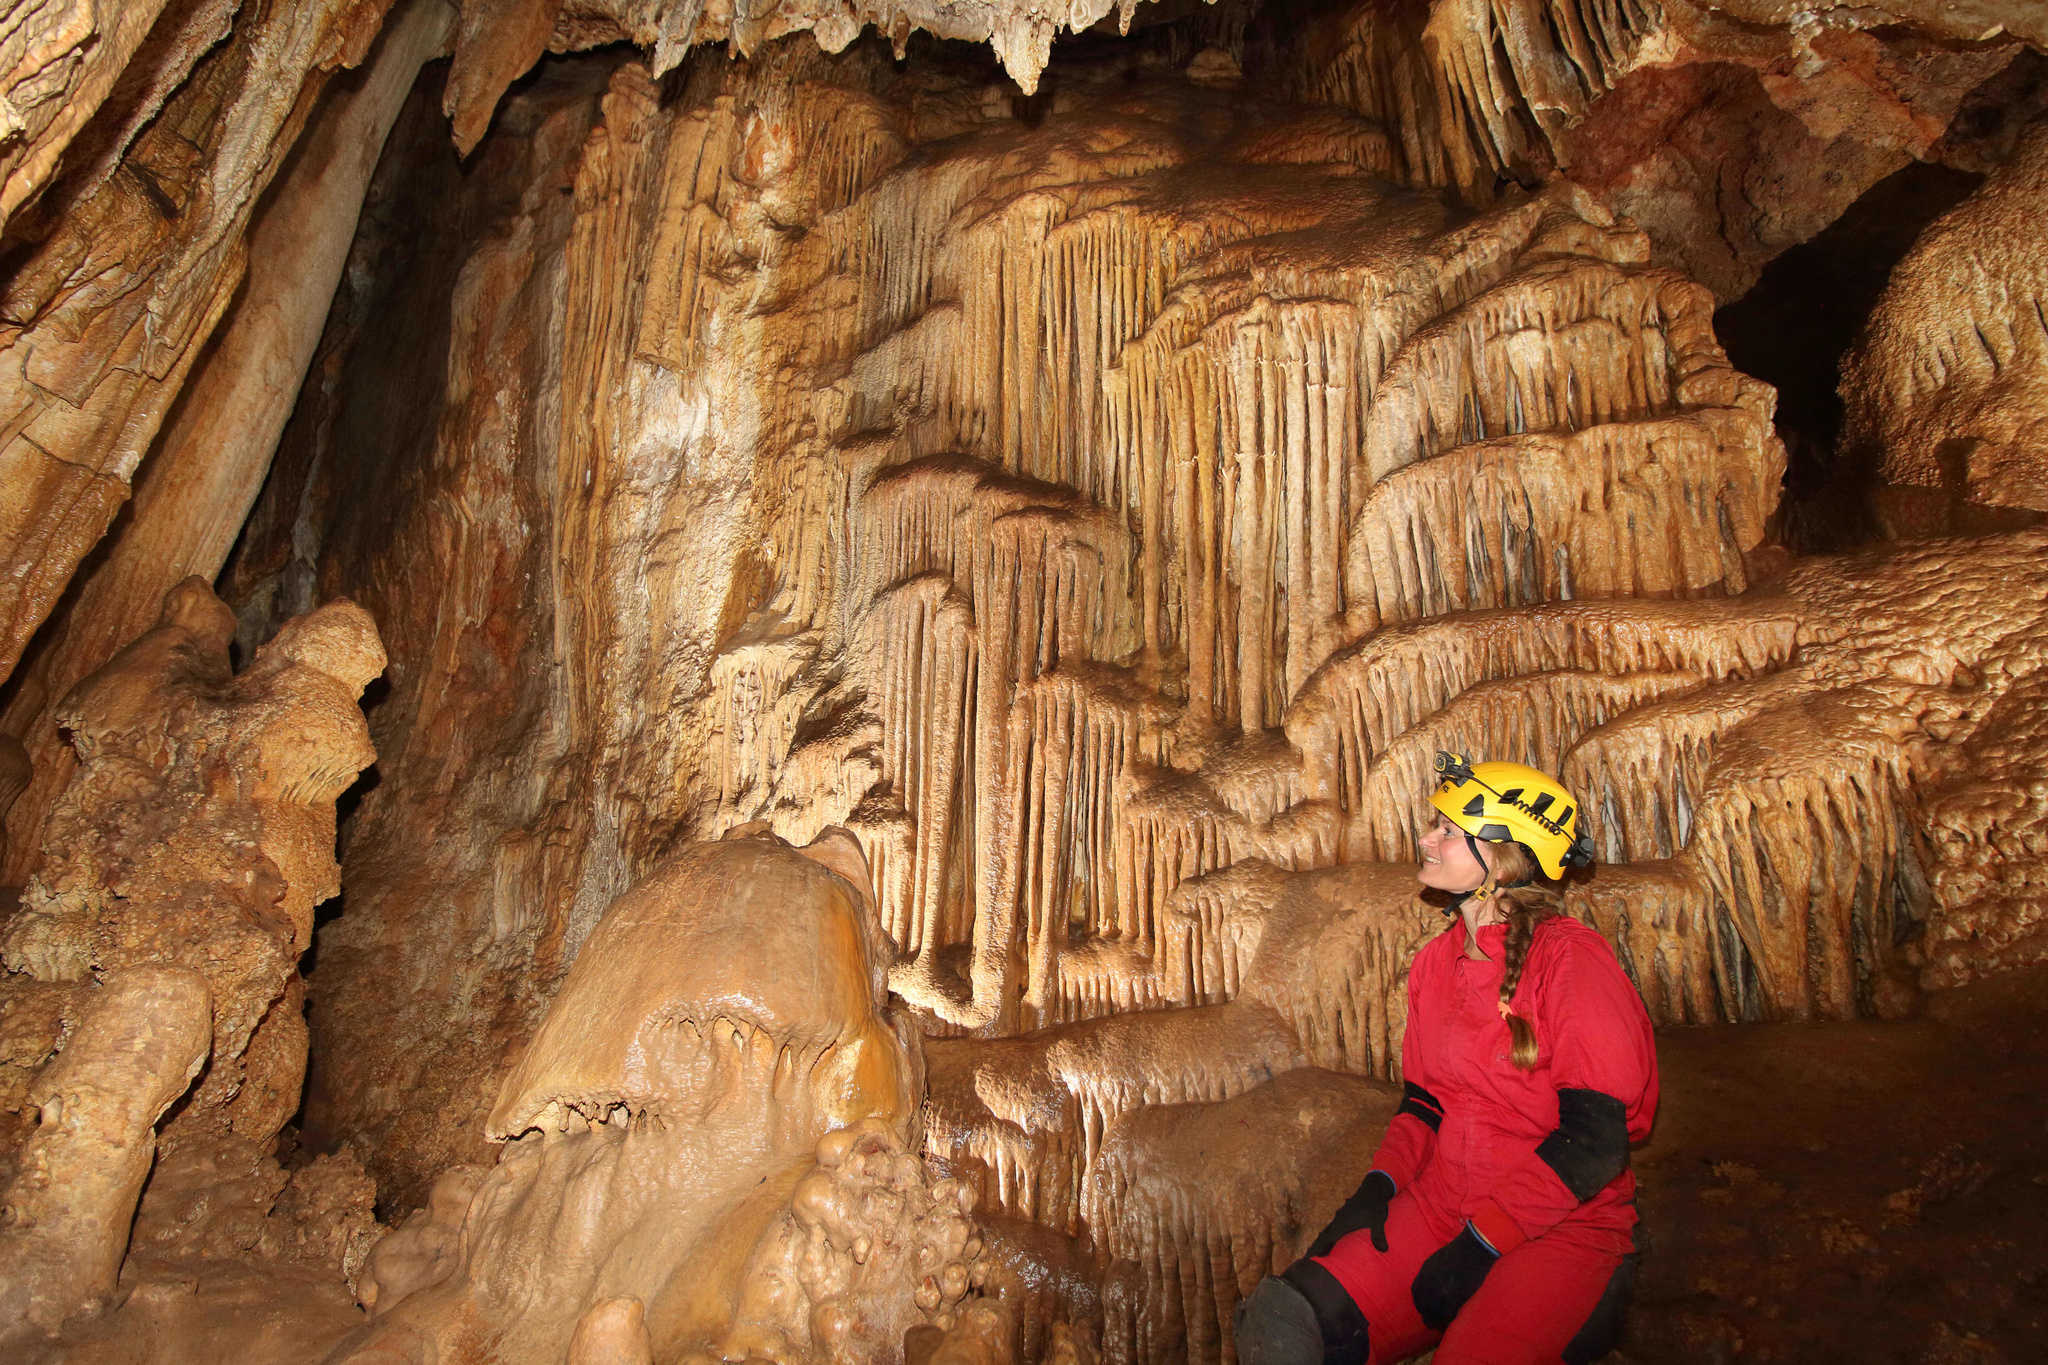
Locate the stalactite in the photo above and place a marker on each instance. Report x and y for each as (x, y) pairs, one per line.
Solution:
(1536, 719)
(1371, 692)
(1196, 1244)
(1071, 752)
(1798, 838)
(1660, 917)
(1478, 89)
(1677, 512)
(1211, 930)
(1033, 1111)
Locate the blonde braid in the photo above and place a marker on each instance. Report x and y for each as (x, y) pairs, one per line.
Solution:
(1525, 908)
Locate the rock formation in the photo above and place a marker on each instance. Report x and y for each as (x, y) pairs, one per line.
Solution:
(180, 872)
(921, 587)
(193, 494)
(1946, 389)
(705, 1143)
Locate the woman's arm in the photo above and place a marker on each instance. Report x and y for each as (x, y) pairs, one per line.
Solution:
(1603, 1061)
(1411, 1135)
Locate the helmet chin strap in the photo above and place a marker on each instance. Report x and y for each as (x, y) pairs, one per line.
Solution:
(1485, 888)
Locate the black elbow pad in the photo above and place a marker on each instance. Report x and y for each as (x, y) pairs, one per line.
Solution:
(1590, 1145)
(1423, 1105)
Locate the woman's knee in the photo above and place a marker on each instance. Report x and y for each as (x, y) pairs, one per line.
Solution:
(1301, 1316)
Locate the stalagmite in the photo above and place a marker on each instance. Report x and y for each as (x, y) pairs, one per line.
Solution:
(66, 1233)
(713, 1116)
(1195, 1246)
(199, 828)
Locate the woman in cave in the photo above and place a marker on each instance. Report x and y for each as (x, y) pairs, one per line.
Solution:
(1498, 1217)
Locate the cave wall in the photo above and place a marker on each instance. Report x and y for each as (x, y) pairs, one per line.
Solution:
(1099, 491)
(996, 490)
(839, 468)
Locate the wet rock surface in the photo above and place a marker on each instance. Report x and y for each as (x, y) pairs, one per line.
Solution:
(1851, 1191)
(907, 594)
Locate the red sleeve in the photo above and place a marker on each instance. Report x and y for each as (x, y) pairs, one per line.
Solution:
(1603, 1061)
(1411, 1135)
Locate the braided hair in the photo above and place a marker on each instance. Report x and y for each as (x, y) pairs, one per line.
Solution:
(1527, 898)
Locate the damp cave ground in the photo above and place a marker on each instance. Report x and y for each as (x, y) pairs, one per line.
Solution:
(1866, 1191)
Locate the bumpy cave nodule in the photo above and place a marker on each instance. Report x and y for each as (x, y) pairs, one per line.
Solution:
(914, 614)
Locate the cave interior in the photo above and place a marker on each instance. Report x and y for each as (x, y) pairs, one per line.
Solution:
(687, 683)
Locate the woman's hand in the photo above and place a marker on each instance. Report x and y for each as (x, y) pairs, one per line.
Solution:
(1364, 1211)
(1449, 1279)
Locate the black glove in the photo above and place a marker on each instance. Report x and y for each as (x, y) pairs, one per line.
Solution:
(1449, 1279)
(1365, 1209)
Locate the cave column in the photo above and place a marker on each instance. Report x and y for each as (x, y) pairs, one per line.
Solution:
(195, 492)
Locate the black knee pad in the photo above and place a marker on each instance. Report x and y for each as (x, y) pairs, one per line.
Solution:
(1341, 1325)
(1601, 1332)
(1274, 1325)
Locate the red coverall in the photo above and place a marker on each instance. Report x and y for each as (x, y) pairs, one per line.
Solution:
(1505, 1154)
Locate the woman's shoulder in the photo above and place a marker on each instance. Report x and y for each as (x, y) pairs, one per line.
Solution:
(1563, 942)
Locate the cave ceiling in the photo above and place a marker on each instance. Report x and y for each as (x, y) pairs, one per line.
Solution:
(736, 680)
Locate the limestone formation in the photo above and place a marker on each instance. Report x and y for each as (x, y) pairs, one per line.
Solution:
(1038, 668)
(103, 320)
(705, 1145)
(199, 830)
(1948, 389)
(194, 492)
(66, 1227)
(921, 589)
(181, 867)
(15, 772)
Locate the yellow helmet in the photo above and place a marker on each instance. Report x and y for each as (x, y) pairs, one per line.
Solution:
(1513, 803)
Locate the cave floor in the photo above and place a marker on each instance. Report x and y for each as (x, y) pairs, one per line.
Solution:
(1870, 1191)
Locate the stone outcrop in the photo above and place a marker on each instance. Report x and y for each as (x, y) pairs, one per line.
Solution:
(180, 873)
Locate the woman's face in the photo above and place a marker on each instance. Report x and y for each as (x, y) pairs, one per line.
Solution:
(1447, 861)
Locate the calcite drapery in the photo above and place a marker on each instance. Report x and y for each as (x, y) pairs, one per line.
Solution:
(1947, 390)
(1047, 472)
